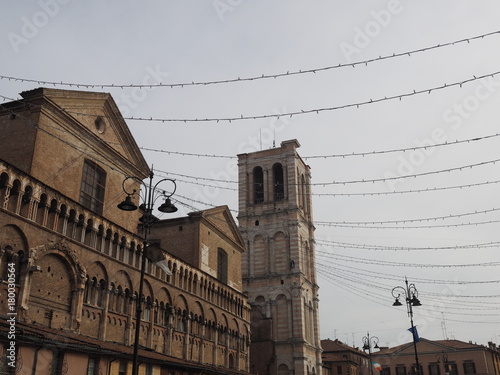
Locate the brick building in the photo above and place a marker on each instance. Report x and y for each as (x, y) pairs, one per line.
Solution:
(440, 357)
(279, 274)
(73, 257)
(342, 359)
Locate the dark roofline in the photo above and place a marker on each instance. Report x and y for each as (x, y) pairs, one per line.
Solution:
(37, 335)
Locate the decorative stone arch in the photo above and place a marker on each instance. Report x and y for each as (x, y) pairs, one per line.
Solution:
(61, 307)
(197, 314)
(181, 303)
(223, 328)
(198, 309)
(280, 251)
(97, 269)
(286, 293)
(76, 268)
(148, 290)
(11, 235)
(123, 278)
(124, 286)
(260, 255)
(260, 299)
(164, 295)
(13, 202)
(282, 315)
(211, 315)
(258, 314)
(26, 206)
(165, 308)
(182, 313)
(284, 368)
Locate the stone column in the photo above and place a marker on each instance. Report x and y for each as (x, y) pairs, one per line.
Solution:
(103, 324)
(186, 337)
(5, 203)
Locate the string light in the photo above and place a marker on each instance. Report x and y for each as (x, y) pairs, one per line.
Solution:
(368, 153)
(294, 113)
(405, 248)
(408, 227)
(351, 269)
(254, 78)
(346, 182)
(309, 111)
(470, 166)
(346, 258)
(362, 223)
(408, 191)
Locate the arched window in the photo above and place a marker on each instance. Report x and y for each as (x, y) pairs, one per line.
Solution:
(14, 196)
(147, 309)
(278, 182)
(304, 193)
(4, 182)
(101, 293)
(283, 369)
(258, 185)
(25, 201)
(127, 301)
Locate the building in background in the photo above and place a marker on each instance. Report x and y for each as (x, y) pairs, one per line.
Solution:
(73, 257)
(440, 357)
(342, 359)
(275, 218)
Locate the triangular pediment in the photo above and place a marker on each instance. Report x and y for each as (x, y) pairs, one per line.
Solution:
(96, 121)
(221, 219)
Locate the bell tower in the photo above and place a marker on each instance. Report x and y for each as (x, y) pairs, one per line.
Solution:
(279, 274)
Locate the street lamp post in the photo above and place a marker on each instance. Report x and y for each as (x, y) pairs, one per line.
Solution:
(410, 294)
(368, 343)
(151, 194)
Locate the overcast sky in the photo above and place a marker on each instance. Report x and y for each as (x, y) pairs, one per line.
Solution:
(393, 227)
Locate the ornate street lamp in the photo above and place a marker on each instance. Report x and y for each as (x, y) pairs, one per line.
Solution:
(154, 254)
(368, 344)
(410, 294)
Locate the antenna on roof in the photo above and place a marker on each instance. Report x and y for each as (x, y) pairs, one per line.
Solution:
(443, 327)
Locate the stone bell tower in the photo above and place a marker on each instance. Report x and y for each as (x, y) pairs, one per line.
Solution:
(279, 274)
